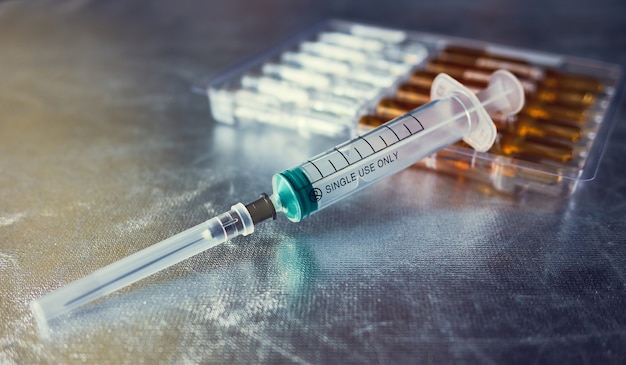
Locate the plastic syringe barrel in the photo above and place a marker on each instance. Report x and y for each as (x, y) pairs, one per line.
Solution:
(353, 165)
(454, 114)
(141, 264)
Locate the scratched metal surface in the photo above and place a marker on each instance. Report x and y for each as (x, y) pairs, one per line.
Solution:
(103, 151)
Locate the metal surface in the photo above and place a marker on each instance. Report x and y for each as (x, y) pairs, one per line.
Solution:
(104, 151)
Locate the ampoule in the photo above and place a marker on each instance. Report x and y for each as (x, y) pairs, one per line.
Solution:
(490, 63)
(392, 108)
(538, 109)
(336, 85)
(562, 97)
(424, 79)
(556, 79)
(372, 121)
(313, 99)
(473, 74)
(297, 75)
(542, 92)
(353, 56)
(534, 110)
(386, 35)
(517, 146)
(547, 76)
(362, 73)
(523, 126)
(243, 98)
(352, 41)
(576, 116)
(306, 122)
(414, 94)
(526, 126)
(409, 54)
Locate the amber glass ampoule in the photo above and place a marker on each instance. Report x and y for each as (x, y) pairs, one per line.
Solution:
(519, 147)
(547, 76)
(391, 108)
(414, 94)
(372, 121)
(568, 98)
(560, 80)
(541, 92)
(486, 62)
(570, 116)
(527, 126)
(457, 71)
(536, 117)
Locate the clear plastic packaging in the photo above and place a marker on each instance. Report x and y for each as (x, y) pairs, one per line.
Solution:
(342, 78)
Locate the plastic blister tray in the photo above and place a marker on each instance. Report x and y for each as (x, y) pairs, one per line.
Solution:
(343, 78)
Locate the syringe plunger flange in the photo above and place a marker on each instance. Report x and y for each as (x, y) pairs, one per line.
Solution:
(504, 94)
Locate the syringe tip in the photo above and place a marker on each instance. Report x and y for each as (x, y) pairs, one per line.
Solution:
(261, 209)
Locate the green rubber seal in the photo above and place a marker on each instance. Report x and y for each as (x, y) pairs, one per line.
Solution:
(297, 195)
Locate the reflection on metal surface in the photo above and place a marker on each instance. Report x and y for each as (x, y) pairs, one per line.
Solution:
(98, 139)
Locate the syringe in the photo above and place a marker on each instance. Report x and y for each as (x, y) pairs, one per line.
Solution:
(454, 114)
